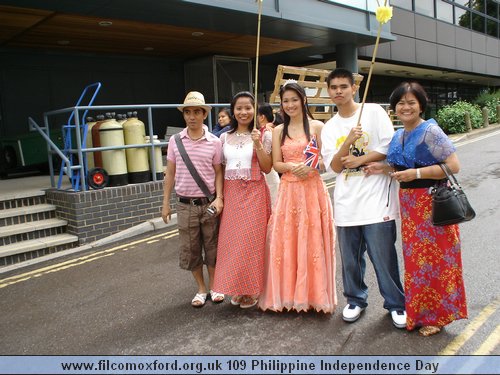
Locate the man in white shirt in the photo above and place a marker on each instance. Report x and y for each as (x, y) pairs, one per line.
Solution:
(365, 208)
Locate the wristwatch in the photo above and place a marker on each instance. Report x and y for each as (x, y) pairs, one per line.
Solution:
(419, 176)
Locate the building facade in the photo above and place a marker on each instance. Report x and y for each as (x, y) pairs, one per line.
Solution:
(154, 51)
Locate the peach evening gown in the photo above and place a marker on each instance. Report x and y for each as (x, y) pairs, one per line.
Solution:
(300, 256)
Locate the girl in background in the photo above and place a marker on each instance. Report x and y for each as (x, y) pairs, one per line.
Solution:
(265, 118)
(223, 122)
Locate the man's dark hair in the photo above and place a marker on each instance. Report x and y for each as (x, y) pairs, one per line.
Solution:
(340, 73)
(266, 110)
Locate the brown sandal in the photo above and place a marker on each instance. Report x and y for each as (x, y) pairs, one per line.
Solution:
(236, 300)
(429, 330)
(248, 301)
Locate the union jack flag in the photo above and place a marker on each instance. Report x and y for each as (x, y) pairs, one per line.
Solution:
(312, 153)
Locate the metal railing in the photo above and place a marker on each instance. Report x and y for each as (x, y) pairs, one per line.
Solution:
(80, 149)
(80, 126)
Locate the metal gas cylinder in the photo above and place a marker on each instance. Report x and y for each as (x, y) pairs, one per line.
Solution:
(113, 161)
(157, 157)
(137, 158)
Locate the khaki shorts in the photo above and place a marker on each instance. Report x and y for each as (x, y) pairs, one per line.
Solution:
(198, 233)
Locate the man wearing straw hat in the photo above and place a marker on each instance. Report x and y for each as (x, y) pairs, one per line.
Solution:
(365, 209)
(198, 202)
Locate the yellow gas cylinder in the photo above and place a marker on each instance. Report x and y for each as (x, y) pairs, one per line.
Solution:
(158, 158)
(137, 158)
(114, 162)
(88, 143)
(96, 141)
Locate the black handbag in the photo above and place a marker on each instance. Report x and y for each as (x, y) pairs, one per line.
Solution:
(449, 202)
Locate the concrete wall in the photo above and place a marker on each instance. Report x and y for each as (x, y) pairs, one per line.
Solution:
(429, 42)
(96, 214)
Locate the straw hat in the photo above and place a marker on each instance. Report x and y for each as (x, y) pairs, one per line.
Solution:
(195, 99)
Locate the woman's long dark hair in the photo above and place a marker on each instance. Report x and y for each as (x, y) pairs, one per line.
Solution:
(234, 123)
(305, 110)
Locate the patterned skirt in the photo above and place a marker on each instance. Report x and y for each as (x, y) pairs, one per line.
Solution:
(434, 286)
(242, 237)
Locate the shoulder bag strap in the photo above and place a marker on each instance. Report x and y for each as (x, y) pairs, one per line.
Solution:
(449, 175)
(191, 167)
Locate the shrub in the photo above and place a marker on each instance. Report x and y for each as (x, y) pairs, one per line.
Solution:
(485, 97)
(492, 110)
(451, 118)
(489, 100)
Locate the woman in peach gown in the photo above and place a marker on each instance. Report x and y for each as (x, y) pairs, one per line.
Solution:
(300, 257)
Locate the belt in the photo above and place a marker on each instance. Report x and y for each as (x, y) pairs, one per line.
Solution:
(417, 184)
(194, 201)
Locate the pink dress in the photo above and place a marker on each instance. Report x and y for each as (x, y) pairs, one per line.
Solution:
(300, 257)
(239, 269)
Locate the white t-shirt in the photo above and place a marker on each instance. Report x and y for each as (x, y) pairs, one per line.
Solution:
(361, 200)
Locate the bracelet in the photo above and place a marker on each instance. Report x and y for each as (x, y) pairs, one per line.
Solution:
(419, 176)
(220, 197)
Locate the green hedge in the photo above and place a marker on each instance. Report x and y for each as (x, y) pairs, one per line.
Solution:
(489, 100)
(492, 110)
(451, 118)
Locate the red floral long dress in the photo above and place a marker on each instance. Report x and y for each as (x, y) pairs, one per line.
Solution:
(433, 280)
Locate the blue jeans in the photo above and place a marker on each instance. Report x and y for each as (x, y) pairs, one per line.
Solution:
(378, 239)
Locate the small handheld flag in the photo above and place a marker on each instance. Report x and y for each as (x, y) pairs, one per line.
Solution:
(312, 153)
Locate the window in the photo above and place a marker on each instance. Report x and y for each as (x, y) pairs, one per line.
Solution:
(425, 7)
(492, 8)
(462, 17)
(492, 28)
(478, 23)
(405, 4)
(464, 3)
(370, 5)
(444, 11)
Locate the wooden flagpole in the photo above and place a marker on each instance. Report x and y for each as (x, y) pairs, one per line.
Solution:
(381, 21)
(257, 63)
(377, 41)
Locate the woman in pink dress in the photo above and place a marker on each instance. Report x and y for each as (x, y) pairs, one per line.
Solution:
(239, 270)
(300, 261)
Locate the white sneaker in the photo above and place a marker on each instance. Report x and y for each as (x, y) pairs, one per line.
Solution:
(351, 313)
(399, 318)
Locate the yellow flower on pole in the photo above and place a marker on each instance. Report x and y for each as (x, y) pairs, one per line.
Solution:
(383, 14)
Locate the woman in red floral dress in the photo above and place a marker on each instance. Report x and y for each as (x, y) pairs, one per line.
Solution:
(434, 286)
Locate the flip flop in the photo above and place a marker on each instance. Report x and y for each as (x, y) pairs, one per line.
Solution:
(216, 297)
(429, 330)
(199, 300)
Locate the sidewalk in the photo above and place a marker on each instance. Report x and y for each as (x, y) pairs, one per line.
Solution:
(157, 224)
(474, 133)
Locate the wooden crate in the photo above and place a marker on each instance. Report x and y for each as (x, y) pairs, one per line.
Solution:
(314, 83)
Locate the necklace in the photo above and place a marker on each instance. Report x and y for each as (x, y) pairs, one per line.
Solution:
(197, 139)
(242, 134)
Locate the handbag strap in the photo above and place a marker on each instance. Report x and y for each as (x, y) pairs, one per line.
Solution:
(191, 168)
(449, 175)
